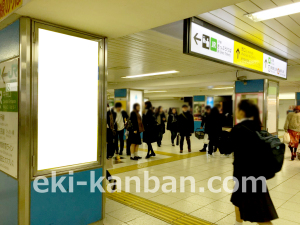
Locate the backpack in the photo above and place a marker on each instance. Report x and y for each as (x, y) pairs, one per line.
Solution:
(273, 155)
(129, 125)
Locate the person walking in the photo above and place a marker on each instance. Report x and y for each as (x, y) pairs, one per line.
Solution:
(254, 204)
(111, 137)
(121, 120)
(185, 127)
(172, 124)
(203, 126)
(160, 119)
(135, 131)
(150, 134)
(292, 126)
(214, 129)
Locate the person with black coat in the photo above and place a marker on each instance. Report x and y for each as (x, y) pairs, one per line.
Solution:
(172, 124)
(214, 129)
(251, 205)
(121, 120)
(150, 134)
(111, 138)
(135, 131)
(203, 126)
(185, 127)
(161, 127)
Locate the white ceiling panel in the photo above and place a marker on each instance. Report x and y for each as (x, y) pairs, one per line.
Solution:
(280, 35)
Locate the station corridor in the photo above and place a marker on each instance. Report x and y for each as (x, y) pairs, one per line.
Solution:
(192, 208)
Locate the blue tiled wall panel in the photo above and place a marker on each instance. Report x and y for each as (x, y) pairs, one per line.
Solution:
(199, 98)
(10, 41)
(250, 86)
(8, 200)
(120, 93)
(78, 208)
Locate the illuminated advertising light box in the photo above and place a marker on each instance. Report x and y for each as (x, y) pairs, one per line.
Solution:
(206, 41)
(67, 100)
(136, 97)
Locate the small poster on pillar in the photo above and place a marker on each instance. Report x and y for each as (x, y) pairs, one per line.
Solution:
(9, 73)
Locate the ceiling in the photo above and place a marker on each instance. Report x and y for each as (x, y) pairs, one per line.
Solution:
(160, 49)
(116, 18)
(280, 36)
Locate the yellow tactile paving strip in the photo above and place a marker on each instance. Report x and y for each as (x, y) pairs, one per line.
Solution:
(173, 157)
(159, 211)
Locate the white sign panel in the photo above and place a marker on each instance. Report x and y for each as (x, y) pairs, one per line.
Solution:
(210, 43)
(9, 117)
(274, 66)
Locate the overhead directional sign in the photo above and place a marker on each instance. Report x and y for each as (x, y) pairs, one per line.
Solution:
(204, 42)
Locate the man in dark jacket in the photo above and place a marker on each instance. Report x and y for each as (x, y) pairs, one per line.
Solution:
(185, 127)
(204, 119)
(214, 129)
(121, 120)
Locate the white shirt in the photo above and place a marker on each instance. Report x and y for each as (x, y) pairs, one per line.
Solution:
(120, 121)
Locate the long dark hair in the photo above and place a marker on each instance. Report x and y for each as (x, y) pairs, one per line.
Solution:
(157, 111)
(251, 111)
(135, 105)
(148, 105)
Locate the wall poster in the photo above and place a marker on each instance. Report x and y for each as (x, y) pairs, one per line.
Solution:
(9, 73)
(199, 109)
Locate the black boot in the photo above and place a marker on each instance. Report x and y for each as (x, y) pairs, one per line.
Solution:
(204, 148)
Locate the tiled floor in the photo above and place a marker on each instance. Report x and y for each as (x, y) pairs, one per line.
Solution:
(212, 207)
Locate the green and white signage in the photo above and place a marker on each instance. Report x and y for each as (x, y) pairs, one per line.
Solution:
(9, 73)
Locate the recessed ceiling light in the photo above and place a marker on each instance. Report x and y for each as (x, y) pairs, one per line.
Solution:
(152, 74)
(222, 88)
(275, 12)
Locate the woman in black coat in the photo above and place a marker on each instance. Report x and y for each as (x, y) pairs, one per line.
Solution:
(135, 131)
(161, 127)
(185, 127)
(150, 134)
(172, 124)
(253, 206)
(213, 127)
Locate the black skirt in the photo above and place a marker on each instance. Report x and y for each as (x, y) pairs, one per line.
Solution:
(254, 207)
(135, 138)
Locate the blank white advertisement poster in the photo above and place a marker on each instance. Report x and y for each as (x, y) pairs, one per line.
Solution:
(67, 100)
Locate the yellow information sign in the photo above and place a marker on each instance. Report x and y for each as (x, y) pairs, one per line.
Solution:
(248, 57)
(8, 6)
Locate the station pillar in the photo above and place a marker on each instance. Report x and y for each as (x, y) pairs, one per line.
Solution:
(52, 125)
(264, 93)
(297, 98)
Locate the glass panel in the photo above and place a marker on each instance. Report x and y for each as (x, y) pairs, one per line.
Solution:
(67, 100)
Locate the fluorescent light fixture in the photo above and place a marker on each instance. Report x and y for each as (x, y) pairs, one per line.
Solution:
(283, 96)
(154, 91)
(275, 12)
(152, 74)
(222, 88)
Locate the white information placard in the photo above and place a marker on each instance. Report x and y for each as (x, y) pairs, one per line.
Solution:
(212, 44)
(9, 72)
(274, 66)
